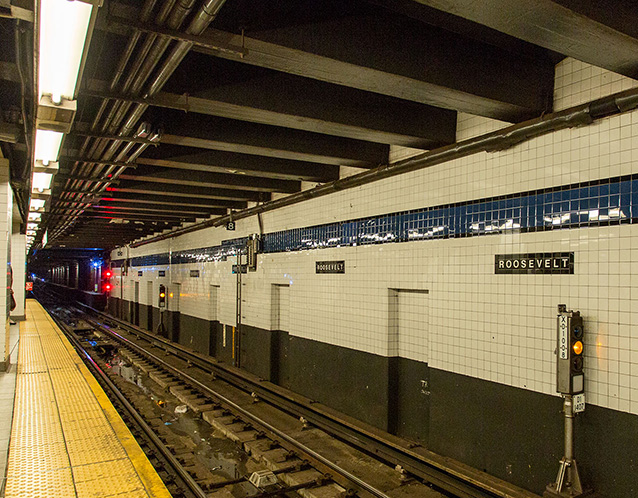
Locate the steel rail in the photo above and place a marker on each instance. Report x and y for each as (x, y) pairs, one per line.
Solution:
(187, 479)
(435, 470)
(258, 421)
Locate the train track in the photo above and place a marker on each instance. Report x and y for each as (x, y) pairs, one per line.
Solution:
(296, 445)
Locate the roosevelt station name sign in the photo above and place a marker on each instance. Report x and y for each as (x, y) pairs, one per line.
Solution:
(553, 263)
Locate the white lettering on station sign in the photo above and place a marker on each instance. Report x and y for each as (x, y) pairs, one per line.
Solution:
(553, 263)
(330, 267)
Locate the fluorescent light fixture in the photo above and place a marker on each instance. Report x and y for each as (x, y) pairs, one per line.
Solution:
(45, 238)
(36, 204)
(41, 181)
(47, 143)
(32, 226)
(34, 216)
(63, 30)
(31, 233)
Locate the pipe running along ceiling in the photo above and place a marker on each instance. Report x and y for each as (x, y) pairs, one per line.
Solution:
(190, 110)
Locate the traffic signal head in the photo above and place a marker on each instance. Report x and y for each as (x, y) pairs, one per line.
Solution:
(162, 296)
(106, 281)
(576, 336)
(570, 350)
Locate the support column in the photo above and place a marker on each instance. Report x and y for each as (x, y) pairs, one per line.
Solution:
(19, 265)
(6, 225)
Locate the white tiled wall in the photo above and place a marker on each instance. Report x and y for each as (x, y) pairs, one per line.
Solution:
(408, 324)
(495, 327)
(18, 263)
(578, 82)
(6, 215)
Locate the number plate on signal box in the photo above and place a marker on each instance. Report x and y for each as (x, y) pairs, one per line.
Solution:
(579, 403)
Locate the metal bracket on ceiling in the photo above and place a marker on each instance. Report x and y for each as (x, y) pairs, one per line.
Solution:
(208, 42)
(120, 138)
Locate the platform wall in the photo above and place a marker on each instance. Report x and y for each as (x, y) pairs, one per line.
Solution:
(421, 337)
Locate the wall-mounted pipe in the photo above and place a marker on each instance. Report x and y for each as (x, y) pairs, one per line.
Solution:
(205, 15)
(505, 138)
(84, 168)
(201, 20)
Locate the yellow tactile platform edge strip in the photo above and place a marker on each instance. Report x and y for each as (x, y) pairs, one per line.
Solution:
(73, 474)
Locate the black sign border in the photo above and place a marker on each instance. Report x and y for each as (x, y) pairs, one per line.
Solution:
(340, 270)
(569, 270)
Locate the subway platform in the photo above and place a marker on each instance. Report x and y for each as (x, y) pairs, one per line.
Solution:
(67, 440)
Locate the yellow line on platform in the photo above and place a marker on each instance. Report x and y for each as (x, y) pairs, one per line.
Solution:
(67, 439)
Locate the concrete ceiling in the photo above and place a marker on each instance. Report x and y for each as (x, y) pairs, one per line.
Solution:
(269, 95)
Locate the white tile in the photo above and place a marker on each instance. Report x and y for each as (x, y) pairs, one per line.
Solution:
(494, 327)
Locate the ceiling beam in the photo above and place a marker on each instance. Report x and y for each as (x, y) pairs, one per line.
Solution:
(90, 211)
(215, 133)
(388, 54)
(63, 176)
(110, 230)
(70, 159)
(311, 106)
(579, 29)
(121, 228)
(171, 176)
(101, 241)
(145, 208)
(9, 72)
(230, 162)
(397, 57)
(81, 129)
(187, 202)
(64, 213)
(467, 29)
(88, 227)
(135, 208)
(174, 190)
(91, 235)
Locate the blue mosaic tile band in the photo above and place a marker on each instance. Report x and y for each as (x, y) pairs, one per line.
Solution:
(202, 255)
(597, 203)
(594, 204)
(152, 260)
